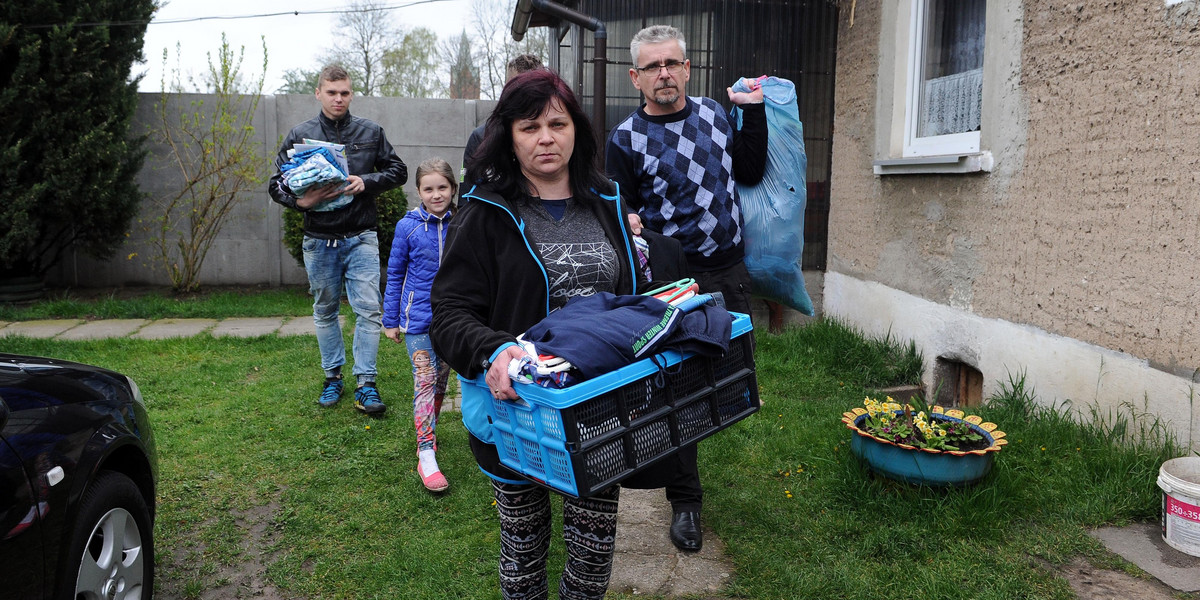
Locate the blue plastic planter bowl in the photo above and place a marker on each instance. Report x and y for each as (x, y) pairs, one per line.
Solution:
(925, 467)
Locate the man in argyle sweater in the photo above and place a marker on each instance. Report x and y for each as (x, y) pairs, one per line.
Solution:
(676, 159)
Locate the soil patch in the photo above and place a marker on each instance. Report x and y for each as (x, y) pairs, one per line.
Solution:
(1092, 583)
(244, 576)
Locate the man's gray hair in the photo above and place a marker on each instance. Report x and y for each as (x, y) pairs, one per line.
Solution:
(655, 34)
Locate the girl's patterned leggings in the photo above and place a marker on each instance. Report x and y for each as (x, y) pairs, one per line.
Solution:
(430, 376)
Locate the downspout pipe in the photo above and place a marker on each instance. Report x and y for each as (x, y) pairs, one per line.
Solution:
(523, 14)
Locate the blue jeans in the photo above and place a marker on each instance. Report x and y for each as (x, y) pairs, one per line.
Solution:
(354, 261)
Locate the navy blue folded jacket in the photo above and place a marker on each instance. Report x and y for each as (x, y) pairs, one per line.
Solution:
(604, 332)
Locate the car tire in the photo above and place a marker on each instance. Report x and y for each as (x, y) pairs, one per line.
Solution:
(111, 553)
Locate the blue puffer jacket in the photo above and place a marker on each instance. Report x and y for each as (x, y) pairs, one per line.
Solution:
(416, 254)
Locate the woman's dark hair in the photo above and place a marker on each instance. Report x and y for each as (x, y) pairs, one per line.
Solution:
(525, 97)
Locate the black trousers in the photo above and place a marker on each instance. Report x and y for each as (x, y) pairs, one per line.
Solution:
(677, 473)
(733, 283)
(683, 485)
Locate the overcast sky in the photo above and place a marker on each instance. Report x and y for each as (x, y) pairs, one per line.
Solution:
(293, 40)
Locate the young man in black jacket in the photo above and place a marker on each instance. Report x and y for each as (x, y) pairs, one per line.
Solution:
(340, 242)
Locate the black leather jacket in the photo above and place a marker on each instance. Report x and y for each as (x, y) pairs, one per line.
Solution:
(368, 155)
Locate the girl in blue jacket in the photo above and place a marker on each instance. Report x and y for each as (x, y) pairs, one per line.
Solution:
(416, 254)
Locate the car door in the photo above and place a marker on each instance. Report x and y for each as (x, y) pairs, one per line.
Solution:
(21, 544)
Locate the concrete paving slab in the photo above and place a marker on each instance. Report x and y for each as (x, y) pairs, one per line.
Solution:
(40, 329)
(247, 327)
(1142, 545)
(172, 328)
(107, 328)
(304, 326)
(646, 563)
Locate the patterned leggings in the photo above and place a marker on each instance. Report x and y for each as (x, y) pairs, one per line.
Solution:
(589, 531)
(430, 375)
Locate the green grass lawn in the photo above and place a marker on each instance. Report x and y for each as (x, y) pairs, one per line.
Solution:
(239, 433)
(157, 303)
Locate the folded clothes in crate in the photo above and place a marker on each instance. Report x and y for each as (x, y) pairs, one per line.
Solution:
(603, 332)
(584, 438)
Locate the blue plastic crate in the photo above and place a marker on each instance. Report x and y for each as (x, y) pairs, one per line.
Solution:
(584, 438)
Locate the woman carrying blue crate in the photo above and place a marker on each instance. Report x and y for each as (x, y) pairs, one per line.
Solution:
(539, 223)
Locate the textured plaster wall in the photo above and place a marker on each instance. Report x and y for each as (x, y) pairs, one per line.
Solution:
(1089, 225)
(1055, 367)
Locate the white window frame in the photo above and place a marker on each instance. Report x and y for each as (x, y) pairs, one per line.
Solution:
(939, 145)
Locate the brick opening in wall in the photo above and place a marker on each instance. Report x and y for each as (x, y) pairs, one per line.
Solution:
(957, 383)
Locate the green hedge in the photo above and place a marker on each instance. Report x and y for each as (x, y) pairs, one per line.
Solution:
(392, 206)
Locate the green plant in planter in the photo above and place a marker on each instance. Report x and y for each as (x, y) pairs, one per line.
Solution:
(391, 204)
(920, 425)
(923, 444)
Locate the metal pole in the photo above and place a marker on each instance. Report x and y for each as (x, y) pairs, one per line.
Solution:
(599, 62)
(599, 94)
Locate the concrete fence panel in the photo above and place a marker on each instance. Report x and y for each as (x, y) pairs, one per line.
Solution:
(249, 249)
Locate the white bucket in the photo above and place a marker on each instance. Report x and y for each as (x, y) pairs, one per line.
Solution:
(1179, 479)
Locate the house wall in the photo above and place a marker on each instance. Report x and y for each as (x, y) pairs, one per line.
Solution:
(249, 248)
(1086, 231)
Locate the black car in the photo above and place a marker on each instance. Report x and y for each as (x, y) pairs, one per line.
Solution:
(77, 482)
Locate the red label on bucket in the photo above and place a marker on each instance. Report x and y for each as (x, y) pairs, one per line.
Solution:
(1182, 509)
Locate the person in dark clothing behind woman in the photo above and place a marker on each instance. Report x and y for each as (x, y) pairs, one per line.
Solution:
(519, 64)
(664, 260)
(540, 223)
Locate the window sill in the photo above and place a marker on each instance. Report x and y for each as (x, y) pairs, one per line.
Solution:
(974, 162)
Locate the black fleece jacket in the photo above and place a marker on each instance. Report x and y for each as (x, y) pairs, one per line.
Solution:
(368, 155)
(492, 287)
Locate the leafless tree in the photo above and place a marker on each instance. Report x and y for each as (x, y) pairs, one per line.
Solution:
(491, 23)
(367, 33)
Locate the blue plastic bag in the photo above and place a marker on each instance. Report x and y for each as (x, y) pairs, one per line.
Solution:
(773, 210)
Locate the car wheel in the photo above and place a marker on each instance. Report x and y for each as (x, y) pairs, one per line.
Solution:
(111, 555)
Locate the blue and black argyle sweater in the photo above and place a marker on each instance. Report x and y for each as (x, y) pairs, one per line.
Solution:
(678, 171)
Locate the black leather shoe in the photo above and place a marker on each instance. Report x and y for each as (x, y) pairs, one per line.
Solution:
(685, 531)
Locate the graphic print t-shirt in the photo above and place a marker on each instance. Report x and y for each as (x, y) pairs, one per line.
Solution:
(578, 257)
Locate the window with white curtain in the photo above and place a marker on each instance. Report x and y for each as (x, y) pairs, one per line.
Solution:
(945, 77)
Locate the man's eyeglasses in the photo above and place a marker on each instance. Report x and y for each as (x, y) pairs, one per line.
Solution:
(672, 66)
